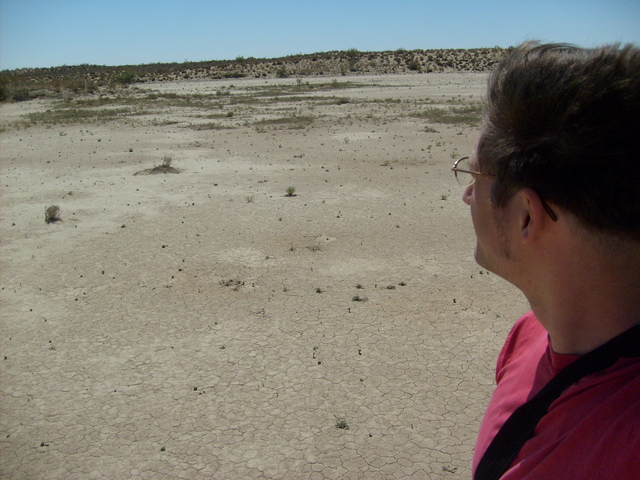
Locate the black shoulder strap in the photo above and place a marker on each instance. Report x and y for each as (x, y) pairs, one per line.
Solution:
(520, 425)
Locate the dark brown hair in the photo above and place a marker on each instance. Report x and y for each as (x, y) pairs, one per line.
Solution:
(565, 121)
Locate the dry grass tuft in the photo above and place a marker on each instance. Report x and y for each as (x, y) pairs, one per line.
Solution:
(52, 214)
(164, 167)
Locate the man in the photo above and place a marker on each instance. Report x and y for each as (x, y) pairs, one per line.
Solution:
(554, 192)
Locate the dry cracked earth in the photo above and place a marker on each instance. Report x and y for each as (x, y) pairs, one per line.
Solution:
(205, 324)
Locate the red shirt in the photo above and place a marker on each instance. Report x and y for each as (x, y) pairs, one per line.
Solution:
(592, 431)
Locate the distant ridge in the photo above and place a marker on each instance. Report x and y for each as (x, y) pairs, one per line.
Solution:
(27, 83)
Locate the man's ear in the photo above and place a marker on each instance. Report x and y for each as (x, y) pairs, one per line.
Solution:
(531, 214)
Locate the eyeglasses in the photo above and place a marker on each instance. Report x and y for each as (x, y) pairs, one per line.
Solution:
(466, 177)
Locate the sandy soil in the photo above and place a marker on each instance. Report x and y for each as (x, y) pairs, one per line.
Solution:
(205, 325)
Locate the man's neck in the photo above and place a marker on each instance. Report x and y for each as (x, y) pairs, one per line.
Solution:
(583, 310)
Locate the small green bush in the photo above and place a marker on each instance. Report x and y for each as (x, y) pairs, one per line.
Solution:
(125, 78)
(3, 88)
(415, 66)
(353, 53)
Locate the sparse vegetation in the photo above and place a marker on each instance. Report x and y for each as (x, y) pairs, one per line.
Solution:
(290, 191)
(52, 214)
(125, 78)
(414, 65)
(27, 84)
(342, 424)
(133, 105)
(352, 53)
(164, 167)
(65, 114)
(292, 123)
(232, 283)
(455, 115)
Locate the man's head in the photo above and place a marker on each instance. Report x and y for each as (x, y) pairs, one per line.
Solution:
(565, 122)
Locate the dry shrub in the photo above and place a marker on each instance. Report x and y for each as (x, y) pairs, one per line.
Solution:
(165, 167)
(52, 214)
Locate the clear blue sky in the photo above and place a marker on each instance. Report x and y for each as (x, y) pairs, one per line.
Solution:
(45, 33)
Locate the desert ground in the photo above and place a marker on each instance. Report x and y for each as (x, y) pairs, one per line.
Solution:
(206, 320)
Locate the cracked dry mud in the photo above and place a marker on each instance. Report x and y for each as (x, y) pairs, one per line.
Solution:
(168, 327)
